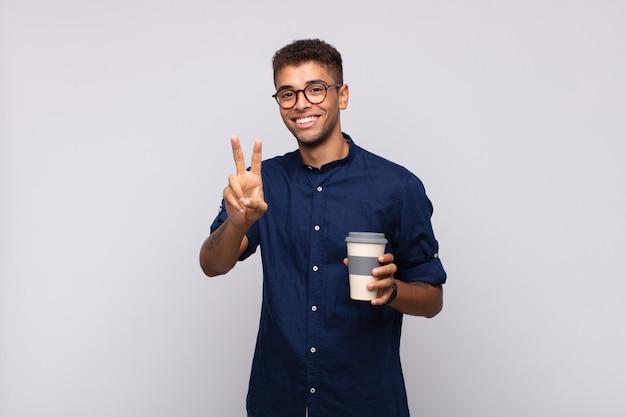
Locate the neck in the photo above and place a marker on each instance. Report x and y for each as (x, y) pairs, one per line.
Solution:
(317, 155)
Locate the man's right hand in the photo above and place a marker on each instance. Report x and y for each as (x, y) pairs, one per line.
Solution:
(244, 194)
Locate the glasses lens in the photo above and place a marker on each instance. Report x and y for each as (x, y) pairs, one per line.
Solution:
(286, 98)
(315, 93)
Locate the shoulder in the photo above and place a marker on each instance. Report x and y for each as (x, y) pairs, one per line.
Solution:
(382, 166)
(387, 175)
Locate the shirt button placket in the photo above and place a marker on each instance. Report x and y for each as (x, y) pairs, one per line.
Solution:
(315, 237)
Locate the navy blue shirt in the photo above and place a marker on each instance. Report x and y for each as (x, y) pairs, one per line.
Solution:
(317, 348)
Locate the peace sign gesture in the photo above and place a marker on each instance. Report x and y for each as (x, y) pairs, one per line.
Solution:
(244, 194)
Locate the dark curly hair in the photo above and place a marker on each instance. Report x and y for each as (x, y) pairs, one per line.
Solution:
(305, 50)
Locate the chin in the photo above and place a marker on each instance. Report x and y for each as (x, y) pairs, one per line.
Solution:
(310, 142)
(311, 139)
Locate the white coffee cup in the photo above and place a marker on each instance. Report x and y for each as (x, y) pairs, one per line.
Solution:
(364, 248)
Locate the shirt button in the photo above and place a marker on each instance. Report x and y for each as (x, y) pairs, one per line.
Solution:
(319, 188)
(436, 255)
(312, 390)
(314, 308)
(313, 350)
(317, 227)
(315, 268)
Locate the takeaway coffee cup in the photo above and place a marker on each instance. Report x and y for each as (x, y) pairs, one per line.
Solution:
(364, 248)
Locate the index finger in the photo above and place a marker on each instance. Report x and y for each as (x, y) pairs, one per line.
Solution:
(240, 164)
(386, 258)
(256, 158)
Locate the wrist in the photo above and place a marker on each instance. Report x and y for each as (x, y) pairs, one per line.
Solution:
(394, 293)
(239, 226)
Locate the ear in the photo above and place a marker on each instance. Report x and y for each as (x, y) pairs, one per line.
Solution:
(343, 97)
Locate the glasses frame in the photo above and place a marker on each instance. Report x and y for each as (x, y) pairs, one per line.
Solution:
(326, 87)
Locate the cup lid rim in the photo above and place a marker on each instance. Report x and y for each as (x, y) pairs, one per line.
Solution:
(366, 237)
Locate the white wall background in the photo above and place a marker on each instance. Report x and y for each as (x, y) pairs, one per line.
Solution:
(114, 126)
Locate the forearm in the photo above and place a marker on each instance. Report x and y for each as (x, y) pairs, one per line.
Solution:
(220, 251)
(418, 299)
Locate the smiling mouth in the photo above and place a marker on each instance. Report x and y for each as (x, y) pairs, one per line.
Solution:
(305, 120)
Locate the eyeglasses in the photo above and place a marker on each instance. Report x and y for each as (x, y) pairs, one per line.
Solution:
(314, 93)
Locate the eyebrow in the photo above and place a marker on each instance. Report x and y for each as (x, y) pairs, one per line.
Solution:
(308, 83)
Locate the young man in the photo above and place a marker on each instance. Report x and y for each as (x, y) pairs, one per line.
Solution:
(318, 351)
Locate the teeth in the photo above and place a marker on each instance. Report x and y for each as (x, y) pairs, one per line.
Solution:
(306, 120)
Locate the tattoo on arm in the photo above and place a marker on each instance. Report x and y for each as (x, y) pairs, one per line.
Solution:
(215, 238)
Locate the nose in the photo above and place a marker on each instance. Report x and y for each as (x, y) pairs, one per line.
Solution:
(302, 103)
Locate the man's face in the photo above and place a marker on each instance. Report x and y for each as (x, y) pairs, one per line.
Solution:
(312, 124)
